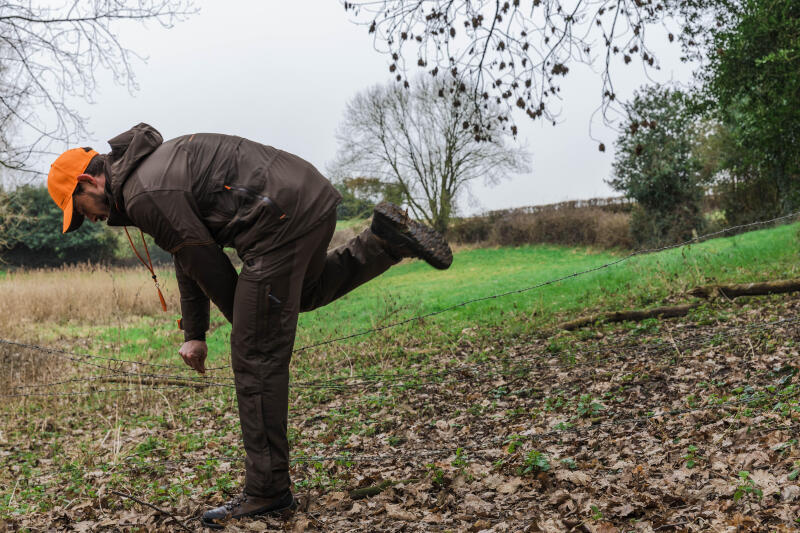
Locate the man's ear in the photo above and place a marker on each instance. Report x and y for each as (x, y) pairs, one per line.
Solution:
(88, 178)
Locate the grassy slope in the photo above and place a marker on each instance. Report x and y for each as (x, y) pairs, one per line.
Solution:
(414, 288)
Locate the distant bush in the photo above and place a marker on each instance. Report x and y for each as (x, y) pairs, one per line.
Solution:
(571, 224)
(36, 240)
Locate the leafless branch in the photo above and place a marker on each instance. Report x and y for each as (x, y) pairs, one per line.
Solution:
(421, 139)
(50, 53)
(513, 54)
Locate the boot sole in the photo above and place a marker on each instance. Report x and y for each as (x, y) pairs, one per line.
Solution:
(284, 511)
(426, 243)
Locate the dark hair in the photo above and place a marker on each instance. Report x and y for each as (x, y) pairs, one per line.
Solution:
(97, 165)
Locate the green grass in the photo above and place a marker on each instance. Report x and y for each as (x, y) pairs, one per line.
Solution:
(413, 288)
(344, 224)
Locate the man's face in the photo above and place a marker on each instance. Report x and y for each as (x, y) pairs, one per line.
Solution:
(91, 201)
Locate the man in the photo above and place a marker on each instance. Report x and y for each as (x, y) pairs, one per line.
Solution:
(194, 195)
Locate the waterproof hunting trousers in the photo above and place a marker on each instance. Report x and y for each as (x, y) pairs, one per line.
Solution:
(272, 289)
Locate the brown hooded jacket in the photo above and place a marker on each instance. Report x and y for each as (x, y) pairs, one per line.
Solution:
(197, 193)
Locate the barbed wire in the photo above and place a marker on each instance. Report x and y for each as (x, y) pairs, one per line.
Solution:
(418, 380)
(79, 358)
(768, 393)
(127, 464)
(549, 282)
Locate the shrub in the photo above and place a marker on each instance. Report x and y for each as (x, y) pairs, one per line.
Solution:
(36, 239)
(571, 226)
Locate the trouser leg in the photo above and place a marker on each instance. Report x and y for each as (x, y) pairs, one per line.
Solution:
(270, 292)
(264, 326)
(341, 270)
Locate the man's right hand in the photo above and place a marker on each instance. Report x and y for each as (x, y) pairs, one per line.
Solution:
(194, 354)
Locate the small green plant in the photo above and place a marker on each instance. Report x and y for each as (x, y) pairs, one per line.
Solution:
(394, 440)
(795, 473)
(475, 409)
(436, 473)
(596, 513)
(746, 487)
(513, 443)
(556, 345)
(569, 463)
(460, 460)
(691, 456)
(534, 462)
(588, 407)
(552, 403)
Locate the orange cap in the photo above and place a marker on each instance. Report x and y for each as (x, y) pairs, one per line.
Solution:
(62, 181)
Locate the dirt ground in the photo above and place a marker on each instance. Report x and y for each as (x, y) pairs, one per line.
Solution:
(674, 425)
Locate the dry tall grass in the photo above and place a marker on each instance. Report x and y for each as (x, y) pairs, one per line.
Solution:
(87, 294)
(92, 294)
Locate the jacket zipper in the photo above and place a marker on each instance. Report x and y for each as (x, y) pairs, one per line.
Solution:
(266, 199)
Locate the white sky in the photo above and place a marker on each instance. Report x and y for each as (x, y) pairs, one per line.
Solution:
(282, 72)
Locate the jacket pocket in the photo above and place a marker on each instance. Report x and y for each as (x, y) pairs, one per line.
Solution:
(253, 196)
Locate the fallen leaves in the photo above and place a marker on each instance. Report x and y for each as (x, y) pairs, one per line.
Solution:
(510, 443)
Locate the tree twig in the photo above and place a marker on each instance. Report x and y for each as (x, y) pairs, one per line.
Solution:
(163, 512)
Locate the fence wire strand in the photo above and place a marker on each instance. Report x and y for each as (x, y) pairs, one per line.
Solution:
(82, 358)
(390, 380)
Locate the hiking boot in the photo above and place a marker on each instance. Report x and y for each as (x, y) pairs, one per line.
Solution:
(402, 237)
(245, 505)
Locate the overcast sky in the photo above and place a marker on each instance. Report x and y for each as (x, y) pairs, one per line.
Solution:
(282, 72)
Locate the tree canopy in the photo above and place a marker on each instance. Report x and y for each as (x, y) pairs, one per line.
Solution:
(514, 54)
(656, 165)
(752, 86)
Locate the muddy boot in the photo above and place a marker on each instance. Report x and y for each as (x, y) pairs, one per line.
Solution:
(402, 237)
(246, 506)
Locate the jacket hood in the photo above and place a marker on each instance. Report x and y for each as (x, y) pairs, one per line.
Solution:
(128, 150)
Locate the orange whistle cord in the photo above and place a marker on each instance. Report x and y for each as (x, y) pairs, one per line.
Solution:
(148, 265)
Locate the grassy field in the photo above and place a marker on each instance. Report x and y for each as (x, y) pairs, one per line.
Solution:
(115, 312)
(349, 223)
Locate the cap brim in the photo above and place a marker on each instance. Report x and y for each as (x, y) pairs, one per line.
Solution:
(72, 220)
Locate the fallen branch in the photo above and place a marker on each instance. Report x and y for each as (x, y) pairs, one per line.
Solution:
(746, 289)
(633, 315)
(152, 381)
(163, 512)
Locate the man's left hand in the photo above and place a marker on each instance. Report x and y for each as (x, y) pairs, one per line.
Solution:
(194, 354)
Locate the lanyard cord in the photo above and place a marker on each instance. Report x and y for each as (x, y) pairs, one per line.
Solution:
(148, 265)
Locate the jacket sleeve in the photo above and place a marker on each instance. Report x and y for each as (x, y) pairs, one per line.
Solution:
(203, 270)
(194, 306)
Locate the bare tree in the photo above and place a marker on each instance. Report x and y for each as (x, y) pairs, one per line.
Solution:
(50, 52)
(514, 53)
(421, 140)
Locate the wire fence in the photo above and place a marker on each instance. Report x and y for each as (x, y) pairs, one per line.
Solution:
(653, 414)
(695, 339)
(86, 359)
(468, 372)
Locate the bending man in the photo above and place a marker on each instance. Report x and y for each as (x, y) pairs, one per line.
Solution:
(194, 195)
